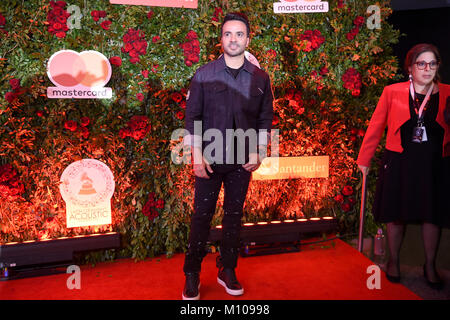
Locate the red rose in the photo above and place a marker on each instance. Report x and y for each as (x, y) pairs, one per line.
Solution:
(128, 47)
(194, 58)
(2, 20)
(218, 11)
(324, 71)
(106, 24)
(350, 36)
(60, 34)
(95, 15)
(159, 204)
(133, 53)
(359, 21)
(150, 14)
(153, 214)
(61, 19)
(61, 4)
(139, 127)
(125, 132)
(351, 200)
(39, 113)
(183, 104)
(139, 134)
(140, 97)
(144, 73)
(177, 97)
(191, 35)
(307, 45)
(356, 92)
(57, 26)
(7, 172)
(70, 125)
(188, 62)
(314, 38)
(195, 43)
(289, 94)
(134, 60)
(155, 67)
(347, 191)
(352, 80)
(134, 44)
(156, 39)
(180, 115)
(138, 122)
(187, 46)
(339, 198)
(10, 97)
(116, 61)
(84, 132)
(298, 96)
(84, 121)
(149, 211)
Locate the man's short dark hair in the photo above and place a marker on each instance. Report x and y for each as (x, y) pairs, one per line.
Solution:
(236, 16)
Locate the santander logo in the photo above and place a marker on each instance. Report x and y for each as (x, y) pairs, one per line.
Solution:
(79, 75)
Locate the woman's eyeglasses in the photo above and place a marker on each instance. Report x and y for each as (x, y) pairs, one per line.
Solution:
(421, 65)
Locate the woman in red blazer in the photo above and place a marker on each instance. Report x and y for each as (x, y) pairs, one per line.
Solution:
(414, 173)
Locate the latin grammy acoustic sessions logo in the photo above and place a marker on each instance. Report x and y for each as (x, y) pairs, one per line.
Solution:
(192, 4)
(79, 75)
(87, 187)
(300, 6)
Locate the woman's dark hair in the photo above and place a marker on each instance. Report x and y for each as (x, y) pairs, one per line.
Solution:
(416, 51)
(236, 16)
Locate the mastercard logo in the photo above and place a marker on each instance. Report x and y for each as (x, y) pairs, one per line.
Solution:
(68, 68)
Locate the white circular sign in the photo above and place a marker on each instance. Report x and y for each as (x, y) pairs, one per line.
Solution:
(87, 183)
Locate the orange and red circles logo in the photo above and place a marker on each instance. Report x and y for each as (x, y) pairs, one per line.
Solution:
(68, 68)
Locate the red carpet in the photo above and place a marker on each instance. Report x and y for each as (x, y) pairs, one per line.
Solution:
(336, 273)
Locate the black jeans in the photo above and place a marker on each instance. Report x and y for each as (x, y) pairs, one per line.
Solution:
(235, 180)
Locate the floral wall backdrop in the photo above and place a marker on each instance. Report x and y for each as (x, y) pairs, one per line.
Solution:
(327, 71)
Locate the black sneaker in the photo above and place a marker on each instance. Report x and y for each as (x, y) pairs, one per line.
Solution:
(191, 287)
(227, 278)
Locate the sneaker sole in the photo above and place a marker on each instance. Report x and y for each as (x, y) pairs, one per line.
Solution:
(197, 297)
(230, 291)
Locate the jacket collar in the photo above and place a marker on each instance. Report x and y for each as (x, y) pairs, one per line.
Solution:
(221, 65)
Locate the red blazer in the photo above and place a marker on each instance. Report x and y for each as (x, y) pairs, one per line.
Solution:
(393, 110)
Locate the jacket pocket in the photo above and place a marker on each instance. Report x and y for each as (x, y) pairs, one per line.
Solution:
(256, 95)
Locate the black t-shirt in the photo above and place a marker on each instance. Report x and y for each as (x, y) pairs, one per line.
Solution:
(235, 72)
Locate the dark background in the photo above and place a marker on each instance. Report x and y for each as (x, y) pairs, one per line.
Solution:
(423, 21)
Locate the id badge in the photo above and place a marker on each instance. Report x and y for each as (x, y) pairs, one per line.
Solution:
(419, 135)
